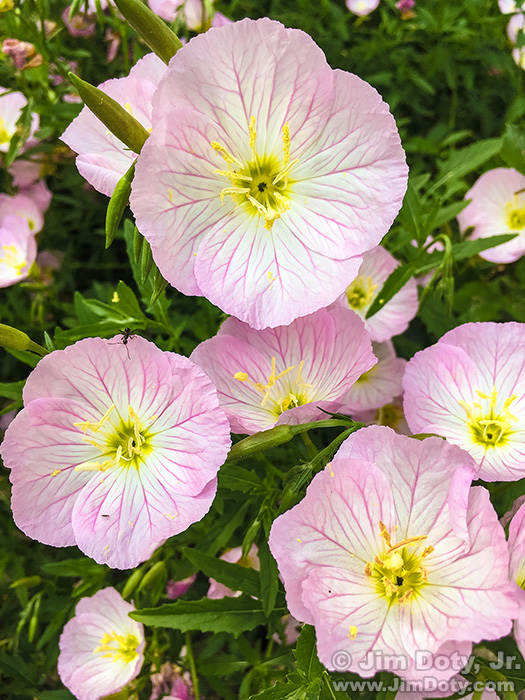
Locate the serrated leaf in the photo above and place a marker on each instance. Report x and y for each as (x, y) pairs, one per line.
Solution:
(231, 615)
(306, 654)
(238, 578)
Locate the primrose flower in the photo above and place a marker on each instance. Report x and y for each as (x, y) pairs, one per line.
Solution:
(24, 207)
(234, 556)
(391, 552)
(267, 174)
(11, 106)
(284, 375)
(469, 388)
(517, 572)
(17, 250)
(380, 384)
(507, 7)
(497, 206)
(114, 452)
(361, 8)
(514, 26)
(102, 157)
(192, 12)
(101, 648)
(171, 684)
(397, 313)
(174, 589)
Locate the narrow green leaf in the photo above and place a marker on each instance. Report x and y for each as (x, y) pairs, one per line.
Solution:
(146, 262)
(74, 568)
(232, 615)
(157, 35)
(269, 576)
(118, 202)
(306, 654)
(465, 160)
(466, 249)
(159, 285)
(395, 281)
(111, 114)
(138, 242)
(236, 478)
(513, 148)
(236, 577)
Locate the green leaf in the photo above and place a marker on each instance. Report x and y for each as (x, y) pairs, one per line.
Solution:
(146, 262)
(466, 249)
(282, 691)
(269, 576)
(238, 578)
(118, 202)
(305, 654)
(12, 390)
(465, 161)
(74, 568)
(231, 615)
(128, 304)
(513, 148)
(395, 281)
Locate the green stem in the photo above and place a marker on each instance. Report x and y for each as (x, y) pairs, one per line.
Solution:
(193, 668)
(312, 450)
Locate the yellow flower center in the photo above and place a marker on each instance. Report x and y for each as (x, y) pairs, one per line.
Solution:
(398, 573)
(5, 6)
(5, 136)
(489, 426)
(360, 293)
(13, 259)
(515, 214)
(289, 394)
(262, 184)
(124, 443)
(118, 646)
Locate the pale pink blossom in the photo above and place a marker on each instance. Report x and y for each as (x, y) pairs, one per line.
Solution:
(380, 384)
(267, 174)
(361, 8)
(509, 6)
(17, 250)
(470, 388)
(234, 556)
(116, 450)
(519, 56)
(101, 648)
(79, 25)
(497, 206)
(391, 552)
(24, 207)
(397, 313)
(171, 684)
(514, 26)
(103, 158)
(174, 589)
(22, 53)
(405, 6)
(517, 572)
(390, 414)
(285, 375)
(11, 105)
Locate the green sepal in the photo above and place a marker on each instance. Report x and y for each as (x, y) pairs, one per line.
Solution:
(157, 35)
(13, 339)
(111, 114)
(118, 202)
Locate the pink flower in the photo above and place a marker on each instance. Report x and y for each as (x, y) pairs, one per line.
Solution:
(114, 453)
(24, 207)
(517, 572)
(390, 414)
(469, 388)
(392, 552)
(267, 174)
(11, 105)
(397, 313)
(234, 556)
(509, 6)
(514, 26)
(405, 5)
(283, 375)
(81, 24)
(170, 683)
(361, 8)
(174, 589)
(380, 384)
(103, 158)
(17, 250)
(101, 648)
(22, 53)
(220, 20)
(497, 206)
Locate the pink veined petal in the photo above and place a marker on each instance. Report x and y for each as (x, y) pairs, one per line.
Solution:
(266, 278)
(344, 534)
(141, 513)
(99, 372)
(426, 476)
(42, 448)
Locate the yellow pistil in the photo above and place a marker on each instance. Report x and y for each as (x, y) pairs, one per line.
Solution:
(262, 184)
(397, 573)
(488, 426)
(13, 258)
(515, 214)
(118, 646)
(123, 444)
(360, 293)
(286, 397)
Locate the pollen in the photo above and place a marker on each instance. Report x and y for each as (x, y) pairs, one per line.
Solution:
(360, 293)
(118, 647)
(262, 184)
(13, 258)
(352, 632)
